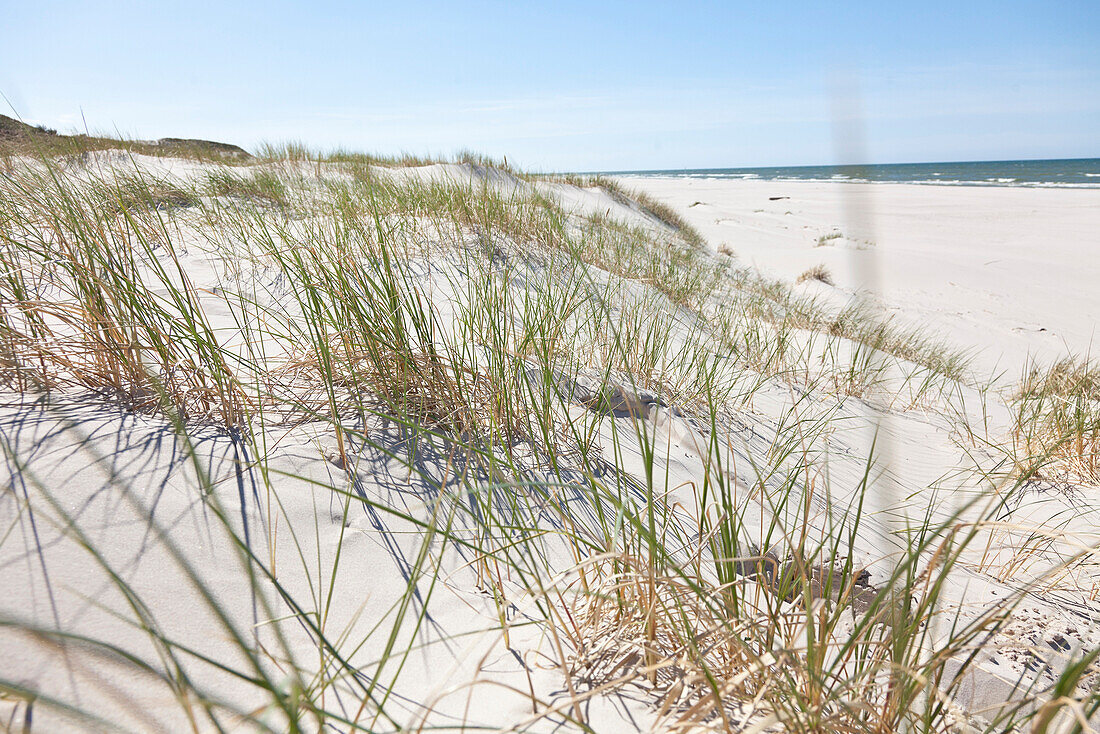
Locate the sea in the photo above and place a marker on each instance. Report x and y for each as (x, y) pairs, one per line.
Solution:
(1060, 173)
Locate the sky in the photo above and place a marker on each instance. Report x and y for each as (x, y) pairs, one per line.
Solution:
(573, 86)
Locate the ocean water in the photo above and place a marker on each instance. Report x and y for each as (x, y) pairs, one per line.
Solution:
(1069, 173)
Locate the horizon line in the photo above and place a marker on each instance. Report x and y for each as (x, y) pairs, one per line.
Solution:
(834, 165)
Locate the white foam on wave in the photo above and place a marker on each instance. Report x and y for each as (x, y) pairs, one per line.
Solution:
(843, 178)
(1055, 185)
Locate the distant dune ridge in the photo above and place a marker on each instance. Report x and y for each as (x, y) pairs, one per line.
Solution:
(11, 128)
(14, 131)
(233, 151)
(345, 442)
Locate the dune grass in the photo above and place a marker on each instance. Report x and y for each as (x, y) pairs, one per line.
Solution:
(535, 348)
(1056, 426)
(820, 273)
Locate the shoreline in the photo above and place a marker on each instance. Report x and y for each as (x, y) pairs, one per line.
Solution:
(945, 184)
(1028, 173)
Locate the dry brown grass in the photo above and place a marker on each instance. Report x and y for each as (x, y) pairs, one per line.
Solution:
(425, 387)
(83, 304)
(1056, 432)
(819, 273)
(741, 655)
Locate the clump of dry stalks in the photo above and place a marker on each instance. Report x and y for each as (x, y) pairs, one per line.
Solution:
(1056, 429)
(803, 647)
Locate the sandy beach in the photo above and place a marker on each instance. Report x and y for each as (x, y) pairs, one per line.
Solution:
(315, 444)
(550, 368)
(1009, 272)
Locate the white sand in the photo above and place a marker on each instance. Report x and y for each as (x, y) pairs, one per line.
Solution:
(124, 480)
(1006, 271)
(988, 267)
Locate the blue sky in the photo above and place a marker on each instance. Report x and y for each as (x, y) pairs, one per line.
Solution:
(573, 86)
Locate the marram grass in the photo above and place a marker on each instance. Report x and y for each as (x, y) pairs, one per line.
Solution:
(505, 335)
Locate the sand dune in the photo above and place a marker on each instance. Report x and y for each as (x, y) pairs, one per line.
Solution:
(448, 446)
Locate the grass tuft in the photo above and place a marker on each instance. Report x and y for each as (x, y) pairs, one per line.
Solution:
(820, 273)
(1056, 422)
